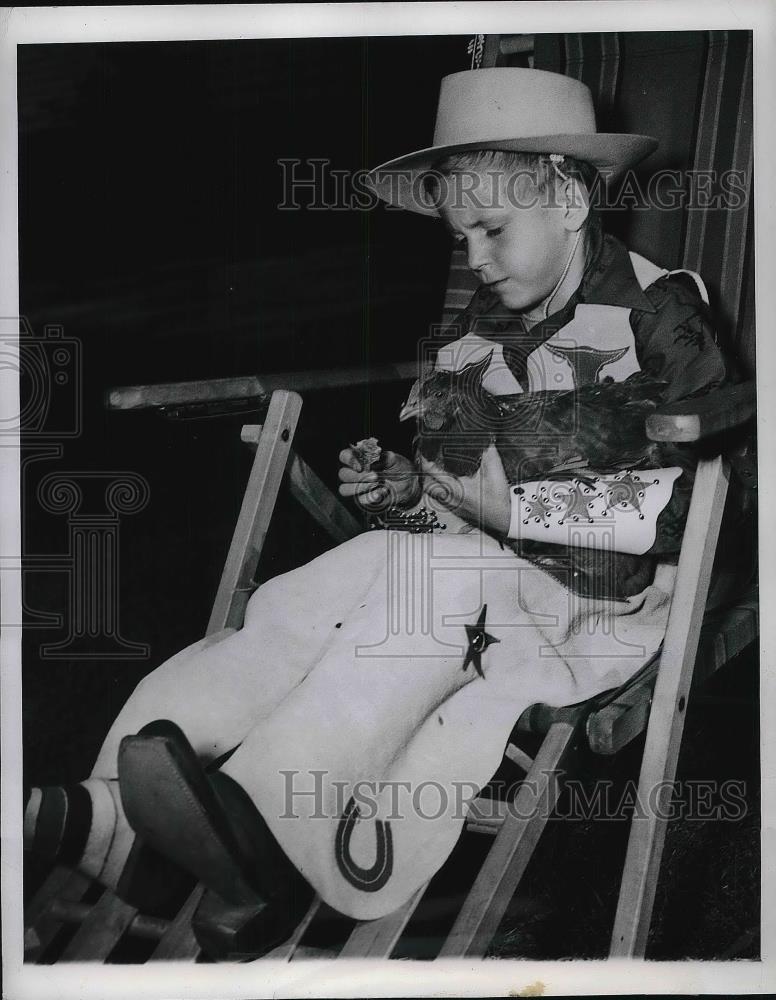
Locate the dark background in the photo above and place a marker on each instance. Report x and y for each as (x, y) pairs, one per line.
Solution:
(149, 232)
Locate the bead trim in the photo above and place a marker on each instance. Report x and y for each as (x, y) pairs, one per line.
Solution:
(421, 521)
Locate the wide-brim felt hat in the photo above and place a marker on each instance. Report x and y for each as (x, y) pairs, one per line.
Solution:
(517, 110)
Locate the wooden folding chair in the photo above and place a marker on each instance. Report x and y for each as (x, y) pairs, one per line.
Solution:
(607, 723)
(695, 645)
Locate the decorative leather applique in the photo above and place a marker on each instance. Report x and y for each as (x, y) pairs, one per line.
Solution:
(598, 342)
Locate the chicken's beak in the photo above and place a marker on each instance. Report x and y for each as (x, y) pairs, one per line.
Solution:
(408, 411)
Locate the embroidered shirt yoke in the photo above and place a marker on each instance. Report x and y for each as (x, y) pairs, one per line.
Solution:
(628, 315)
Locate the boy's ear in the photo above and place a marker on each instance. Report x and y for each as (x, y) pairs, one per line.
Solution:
(574, 202)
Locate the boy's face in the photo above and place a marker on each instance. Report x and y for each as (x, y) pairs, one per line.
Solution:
(516, 238)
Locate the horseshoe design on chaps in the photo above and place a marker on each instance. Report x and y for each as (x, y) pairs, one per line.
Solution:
(367, 879)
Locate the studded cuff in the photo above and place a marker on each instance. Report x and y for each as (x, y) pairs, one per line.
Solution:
(616, 511)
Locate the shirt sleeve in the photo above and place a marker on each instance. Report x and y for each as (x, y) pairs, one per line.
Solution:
(677, 342)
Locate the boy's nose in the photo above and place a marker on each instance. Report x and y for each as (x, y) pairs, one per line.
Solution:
(477, 253)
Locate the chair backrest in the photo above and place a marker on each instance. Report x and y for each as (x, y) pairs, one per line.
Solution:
(699, 106)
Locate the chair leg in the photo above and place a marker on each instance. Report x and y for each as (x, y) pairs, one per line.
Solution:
(285, 952)
(179, 943)
(267, 472)
(512, 849)
(101, 930)
(41, 922)
(377, 938)
(666, 720)
(320, 503)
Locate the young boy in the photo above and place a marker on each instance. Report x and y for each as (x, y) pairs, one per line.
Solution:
(559, 305)
(351, 674)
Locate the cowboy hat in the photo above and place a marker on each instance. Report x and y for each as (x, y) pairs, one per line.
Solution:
(518, 110)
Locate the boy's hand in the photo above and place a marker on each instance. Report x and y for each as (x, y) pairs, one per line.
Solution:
(482, 499)
(396, 482)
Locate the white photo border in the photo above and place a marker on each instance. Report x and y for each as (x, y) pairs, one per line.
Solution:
(356, 978)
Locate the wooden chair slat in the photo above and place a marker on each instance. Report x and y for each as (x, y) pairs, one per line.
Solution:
(512, 849)
(518, 756)
(377, 938)
(313, 953)
(287, 950)
(141, 925)
(623, 720)
(312, 493)
(487, 829)
(149, 928)
(486, 815)
(269, 464)
(41, 925)
(666, 721)
(61, 883)
(694, 419)
(318, 500)
(728, 634)
(141, 397)
(101, 931)
(179, 942)
(214, 637)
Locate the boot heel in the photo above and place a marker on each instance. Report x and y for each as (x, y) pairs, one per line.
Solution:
(239, 933)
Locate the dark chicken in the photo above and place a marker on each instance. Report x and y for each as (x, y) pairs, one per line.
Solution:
(551, 434)
(600, 427)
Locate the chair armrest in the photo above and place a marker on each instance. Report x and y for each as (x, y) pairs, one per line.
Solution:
(693, 419)
(250, 387)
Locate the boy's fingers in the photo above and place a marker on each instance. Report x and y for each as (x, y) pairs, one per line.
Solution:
(347, 457)
(365, 497)
(347, 475)
(359, 489)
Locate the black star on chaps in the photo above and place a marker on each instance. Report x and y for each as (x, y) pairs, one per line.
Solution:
(479, 640)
